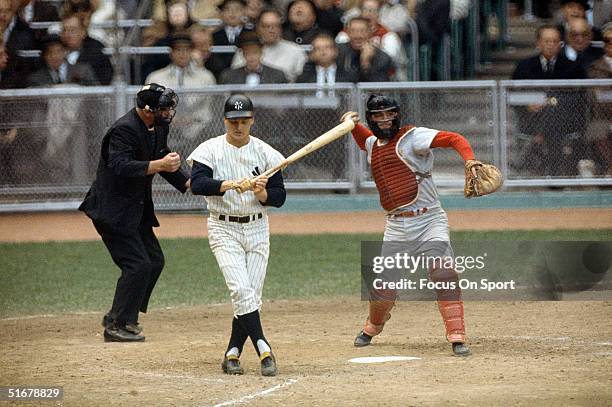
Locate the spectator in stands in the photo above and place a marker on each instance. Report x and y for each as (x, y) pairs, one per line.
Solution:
(360, 58)
(382, 38)
(56, 70)
(195, 112)
(578, 44)
(600, 130)
(17, 36)
(395, 14)
(233, 14)
(84, 49)
(198, 9)
(254, 72)
(550, 63)
(278, 53)
(602, 67)
(202, 55)
(181, 72)
(301, 26)
(161, 31)
(571, 9)
(329, 16)
(177, 20)
(4, 58)
(322, 67)
(557, 125)
(254, 8)
(433, 20)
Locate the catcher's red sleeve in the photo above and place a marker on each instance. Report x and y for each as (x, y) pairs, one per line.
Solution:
(360, 134)
(454, 140)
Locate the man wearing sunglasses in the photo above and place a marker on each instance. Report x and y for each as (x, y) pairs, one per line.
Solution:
(120, 204)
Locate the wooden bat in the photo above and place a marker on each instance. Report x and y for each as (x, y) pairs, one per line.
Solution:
(321, 141)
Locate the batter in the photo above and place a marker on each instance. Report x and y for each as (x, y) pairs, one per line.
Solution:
(238, 230)
(401, 161)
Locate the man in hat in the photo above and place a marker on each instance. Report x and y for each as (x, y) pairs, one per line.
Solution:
(254, 71)
(196, 112)
(120, 204)
(238, 230)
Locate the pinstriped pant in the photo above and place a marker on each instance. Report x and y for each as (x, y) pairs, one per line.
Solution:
(242, 251)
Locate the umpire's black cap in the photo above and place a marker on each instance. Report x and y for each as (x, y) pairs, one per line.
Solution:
(238, 106)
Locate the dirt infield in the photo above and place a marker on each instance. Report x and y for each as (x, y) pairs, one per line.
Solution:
(541, 353)
(75, 226)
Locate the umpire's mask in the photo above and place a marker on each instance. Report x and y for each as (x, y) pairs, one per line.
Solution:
(159, 100)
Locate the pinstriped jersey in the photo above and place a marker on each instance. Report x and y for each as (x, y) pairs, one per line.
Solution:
(414, 149)
(229, 162)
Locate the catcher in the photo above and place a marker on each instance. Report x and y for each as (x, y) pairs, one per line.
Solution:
(401, 162)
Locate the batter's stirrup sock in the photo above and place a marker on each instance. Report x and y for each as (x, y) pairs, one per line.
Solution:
(238, 337)
(252, 323)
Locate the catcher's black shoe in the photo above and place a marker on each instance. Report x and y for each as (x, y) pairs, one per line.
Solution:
(121, 334)
(231, 365)
(460, 349)
(363, 339)
(268, 364)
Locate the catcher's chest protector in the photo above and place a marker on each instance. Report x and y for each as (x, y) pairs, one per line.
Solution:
(395, 181)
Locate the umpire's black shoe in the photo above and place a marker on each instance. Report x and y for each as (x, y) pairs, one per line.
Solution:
(231, 365)
(460, 349)
(363, 339)
(108, 322)
(268, 364)
(120, 334)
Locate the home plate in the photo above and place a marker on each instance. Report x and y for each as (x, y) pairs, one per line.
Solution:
(382, 359)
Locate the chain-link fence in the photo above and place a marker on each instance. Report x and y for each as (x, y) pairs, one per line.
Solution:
(467, 108)
(558, 131)
(50, 138)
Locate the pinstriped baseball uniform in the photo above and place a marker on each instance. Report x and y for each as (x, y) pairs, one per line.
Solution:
(241, 249)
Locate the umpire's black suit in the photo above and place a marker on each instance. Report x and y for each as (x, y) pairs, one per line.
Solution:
(121, 208)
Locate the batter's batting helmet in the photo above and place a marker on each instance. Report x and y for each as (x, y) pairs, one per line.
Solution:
(153, 98)
(379, 103)
(238, 106)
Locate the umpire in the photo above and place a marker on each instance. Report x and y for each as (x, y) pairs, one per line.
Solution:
(120, 204)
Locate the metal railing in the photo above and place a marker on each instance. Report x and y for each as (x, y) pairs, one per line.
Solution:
(50, 138)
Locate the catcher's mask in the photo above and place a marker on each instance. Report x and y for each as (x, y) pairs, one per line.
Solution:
(380, 111)
(159, 100)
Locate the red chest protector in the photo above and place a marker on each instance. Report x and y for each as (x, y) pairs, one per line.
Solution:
(395, 181)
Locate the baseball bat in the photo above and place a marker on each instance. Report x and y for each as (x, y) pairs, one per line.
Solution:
(321, 141)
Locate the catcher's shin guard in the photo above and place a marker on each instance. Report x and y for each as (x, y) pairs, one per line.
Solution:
(450, 303)
(379, 311)
(452, 314)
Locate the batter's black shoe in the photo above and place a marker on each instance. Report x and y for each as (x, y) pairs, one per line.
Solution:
(363, 339)
(231, 365)
(268, 364)
(120, 334)
(461, 349)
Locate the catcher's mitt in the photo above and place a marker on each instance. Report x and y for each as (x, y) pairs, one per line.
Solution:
(488, 179)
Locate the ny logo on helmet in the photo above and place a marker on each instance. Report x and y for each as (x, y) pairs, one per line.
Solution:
(238, 105)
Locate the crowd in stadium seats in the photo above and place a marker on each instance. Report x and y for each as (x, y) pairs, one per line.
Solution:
(372, 49)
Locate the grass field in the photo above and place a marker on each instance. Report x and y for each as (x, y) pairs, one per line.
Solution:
(56, 277)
